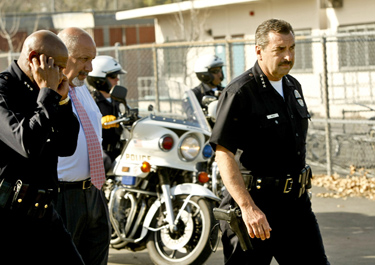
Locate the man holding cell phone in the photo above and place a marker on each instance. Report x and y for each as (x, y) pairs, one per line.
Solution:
(37, 125)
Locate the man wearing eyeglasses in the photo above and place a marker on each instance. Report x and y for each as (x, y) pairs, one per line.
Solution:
(104, 76)
(208, 69)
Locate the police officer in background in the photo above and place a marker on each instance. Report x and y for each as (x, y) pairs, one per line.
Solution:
(208, 69)
(263, 113)
(102, 79)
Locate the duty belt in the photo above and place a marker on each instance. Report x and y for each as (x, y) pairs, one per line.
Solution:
(295, 184)
(24, 199)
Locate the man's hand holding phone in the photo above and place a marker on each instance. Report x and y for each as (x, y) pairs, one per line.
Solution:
(47, 74)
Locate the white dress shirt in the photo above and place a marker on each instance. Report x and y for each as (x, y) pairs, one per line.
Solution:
(77, 167)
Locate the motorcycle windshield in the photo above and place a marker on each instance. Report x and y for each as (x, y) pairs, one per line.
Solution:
(181, 108)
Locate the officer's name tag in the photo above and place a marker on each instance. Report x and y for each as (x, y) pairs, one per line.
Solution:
(272, 116)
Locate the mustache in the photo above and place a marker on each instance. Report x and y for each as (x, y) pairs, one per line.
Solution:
(285, 63)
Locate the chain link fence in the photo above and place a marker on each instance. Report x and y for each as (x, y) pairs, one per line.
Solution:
(337, 74)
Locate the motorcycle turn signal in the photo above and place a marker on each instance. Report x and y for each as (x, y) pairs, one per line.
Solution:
(203, 177)
(146, 167)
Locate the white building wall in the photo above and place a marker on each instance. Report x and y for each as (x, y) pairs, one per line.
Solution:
(236, 20)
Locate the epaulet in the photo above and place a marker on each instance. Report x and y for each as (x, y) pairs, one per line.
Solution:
(242, 79)
(5, 75)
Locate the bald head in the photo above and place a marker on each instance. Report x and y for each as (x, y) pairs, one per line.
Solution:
(42, 42)
(82, 50)
(73, 37)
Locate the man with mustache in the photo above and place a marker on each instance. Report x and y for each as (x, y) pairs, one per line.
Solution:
(263, 113)
(81, 202)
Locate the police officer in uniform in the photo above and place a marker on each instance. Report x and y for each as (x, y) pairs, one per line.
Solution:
(263, 113)
(102, 79)
(208, 69)
(37, 125)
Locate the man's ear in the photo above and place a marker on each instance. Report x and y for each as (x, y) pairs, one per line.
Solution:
(33, 54)
(258, 51)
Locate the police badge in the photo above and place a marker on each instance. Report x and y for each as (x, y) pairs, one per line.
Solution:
(299, 98)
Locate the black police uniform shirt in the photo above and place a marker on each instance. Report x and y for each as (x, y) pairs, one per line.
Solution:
(110, 136)
(271, 131)
(201, 90)
(34, 130)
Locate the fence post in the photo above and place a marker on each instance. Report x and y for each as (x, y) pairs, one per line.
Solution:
(10, 57)
(228, 61)
(326, 105)
(117, 56)
(156, 78)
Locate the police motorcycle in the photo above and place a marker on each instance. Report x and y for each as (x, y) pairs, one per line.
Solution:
(152, 201)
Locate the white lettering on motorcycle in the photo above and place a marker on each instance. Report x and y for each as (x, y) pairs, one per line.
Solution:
(135, 157)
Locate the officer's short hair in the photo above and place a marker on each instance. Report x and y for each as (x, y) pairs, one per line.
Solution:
(276, 25)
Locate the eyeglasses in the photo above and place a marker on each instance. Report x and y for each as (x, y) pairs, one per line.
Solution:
(112, 76)
(215, 71)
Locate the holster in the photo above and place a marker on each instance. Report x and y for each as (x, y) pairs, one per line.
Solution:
(304, 180)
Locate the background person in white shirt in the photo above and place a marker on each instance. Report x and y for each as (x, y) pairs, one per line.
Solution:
(81, 204)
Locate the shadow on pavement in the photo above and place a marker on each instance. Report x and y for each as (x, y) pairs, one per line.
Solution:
(349, 238)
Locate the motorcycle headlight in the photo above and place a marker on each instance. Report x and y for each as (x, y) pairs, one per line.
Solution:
(189, 148)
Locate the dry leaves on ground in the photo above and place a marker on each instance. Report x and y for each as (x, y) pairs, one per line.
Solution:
(343, 187)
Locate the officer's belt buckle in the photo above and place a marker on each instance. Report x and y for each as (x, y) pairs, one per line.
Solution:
(86, 184)
(288, 185)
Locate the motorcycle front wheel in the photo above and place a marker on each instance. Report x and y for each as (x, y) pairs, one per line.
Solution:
(191, 241)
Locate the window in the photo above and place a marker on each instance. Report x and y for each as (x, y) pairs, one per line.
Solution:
(303, 53)
(356, 46)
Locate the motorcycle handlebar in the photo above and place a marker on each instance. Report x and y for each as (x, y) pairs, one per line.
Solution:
(116, 121)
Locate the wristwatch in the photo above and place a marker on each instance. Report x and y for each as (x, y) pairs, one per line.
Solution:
(64, 101)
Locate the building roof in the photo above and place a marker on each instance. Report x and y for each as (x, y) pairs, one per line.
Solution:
(175, 8)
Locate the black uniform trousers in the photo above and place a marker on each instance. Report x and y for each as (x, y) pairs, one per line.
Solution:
(45, 241)
(295, 236)
(85, 214)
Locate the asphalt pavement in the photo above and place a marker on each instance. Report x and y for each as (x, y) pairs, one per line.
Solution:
(347, 227)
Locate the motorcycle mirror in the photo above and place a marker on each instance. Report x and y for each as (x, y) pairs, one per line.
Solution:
(150, 107)
(122, 108)
(206, 100)
(119, 93)
(211, 110)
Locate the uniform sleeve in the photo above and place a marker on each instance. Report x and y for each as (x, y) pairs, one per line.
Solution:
(26, 133)
(226, 131)
(67, 129)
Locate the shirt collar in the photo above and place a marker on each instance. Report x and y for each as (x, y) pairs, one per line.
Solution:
(264, 84)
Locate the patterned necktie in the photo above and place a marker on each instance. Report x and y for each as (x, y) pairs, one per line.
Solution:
(94, 148)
